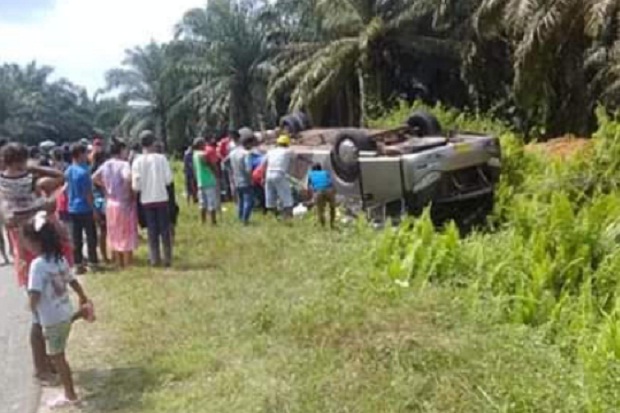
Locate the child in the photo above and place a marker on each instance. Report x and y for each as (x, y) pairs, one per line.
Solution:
(320, 182)
(49, 279)
(22, 195)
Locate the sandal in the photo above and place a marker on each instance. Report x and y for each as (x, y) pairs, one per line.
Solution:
(61, 402)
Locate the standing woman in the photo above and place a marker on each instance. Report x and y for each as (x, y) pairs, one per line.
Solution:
(98, 159)
(122, 218)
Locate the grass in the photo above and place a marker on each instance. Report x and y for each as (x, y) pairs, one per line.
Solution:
(277, 319)
(524, 317)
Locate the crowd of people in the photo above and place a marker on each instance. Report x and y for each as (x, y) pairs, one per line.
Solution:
(236, 167)
(56, 202)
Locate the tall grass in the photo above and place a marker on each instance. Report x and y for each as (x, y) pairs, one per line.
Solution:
(550, 260)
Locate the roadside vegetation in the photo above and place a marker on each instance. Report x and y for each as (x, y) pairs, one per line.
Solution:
(520, 317)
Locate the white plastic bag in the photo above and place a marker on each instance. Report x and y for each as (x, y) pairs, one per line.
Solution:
(300, 210)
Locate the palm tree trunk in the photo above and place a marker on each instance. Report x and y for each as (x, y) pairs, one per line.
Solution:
(349, 98)
(164, 129)
(362, 87)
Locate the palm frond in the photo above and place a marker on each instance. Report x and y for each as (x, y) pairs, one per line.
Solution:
(489, 19)
(597, 14)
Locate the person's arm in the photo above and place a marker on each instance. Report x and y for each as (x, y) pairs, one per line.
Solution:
(34, 299)
(45, 172)
(88, 188)
(35, 286)
(46, 184)
(135, 176)
(46, 187)
(265, 166)
(77, 288)
(98, 177)
(167, 172)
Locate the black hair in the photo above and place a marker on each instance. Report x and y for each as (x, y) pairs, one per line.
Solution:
(3, 142)
(57, 154)
(14, 153)
(248, 141)
(147, 139)
(47, 238)
(98, 159)
(317, 167)
(199, 144)
(33, 152)
(117, 147)
(77, 150)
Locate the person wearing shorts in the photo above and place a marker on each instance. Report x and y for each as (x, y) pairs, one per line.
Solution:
(277, 186)
(50, 278)
(205, 167)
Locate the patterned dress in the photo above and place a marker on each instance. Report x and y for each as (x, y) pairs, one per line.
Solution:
(121, 214)
(19, 202)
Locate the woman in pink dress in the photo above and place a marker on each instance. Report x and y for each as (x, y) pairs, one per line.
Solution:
(122, 219)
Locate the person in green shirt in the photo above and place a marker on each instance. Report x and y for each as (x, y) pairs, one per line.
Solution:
(205, 167)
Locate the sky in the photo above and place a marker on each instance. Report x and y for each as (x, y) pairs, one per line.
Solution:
(82, 39)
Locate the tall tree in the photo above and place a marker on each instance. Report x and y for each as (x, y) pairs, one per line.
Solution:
(550, 41)
(147, 85)
(33, 108)
(224, 51)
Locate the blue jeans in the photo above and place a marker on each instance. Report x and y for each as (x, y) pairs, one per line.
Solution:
(158, 228)
(245, 203)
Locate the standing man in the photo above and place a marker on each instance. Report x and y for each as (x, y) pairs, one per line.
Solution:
(150, 177)
(205, 167)
(80, 198)
(241, 165)
(190, 177)
(230, 182)
(277, 185)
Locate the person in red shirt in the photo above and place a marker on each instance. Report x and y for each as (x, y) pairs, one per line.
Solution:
(223, 150)
(213, 158)
(223, 147)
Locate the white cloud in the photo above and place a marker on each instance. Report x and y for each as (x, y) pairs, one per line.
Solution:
(84, 38)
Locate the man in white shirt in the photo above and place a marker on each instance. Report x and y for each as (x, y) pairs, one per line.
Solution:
(151, 175)
(277, 185)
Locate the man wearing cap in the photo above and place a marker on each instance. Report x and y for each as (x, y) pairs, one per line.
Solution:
(277, 185)
(150, 177)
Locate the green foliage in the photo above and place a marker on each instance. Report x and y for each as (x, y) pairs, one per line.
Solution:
(34, 109)
(222, 50)
(273, 318)
(552, 259)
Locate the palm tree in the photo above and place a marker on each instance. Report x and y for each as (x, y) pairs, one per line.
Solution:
(148, 86)
(550, 42)
(223, 49)
(33, 109)
(363, 44)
